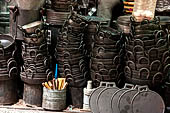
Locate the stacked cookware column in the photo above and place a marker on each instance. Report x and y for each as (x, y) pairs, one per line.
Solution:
(56, 14)
(147, 54)
(36, 67)
(26, 12)
(105, 56)
(71, 59)
(8, 70)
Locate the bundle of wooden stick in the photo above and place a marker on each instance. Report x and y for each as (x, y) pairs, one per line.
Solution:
(56, 84)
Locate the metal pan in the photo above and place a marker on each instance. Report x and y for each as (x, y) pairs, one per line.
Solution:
(147, 101)
(115, 97)
(93, 97)
(104, 97)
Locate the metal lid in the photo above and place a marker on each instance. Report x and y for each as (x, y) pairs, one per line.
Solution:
(147, 101)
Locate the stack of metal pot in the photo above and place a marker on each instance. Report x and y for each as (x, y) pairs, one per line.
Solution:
(94, 23)
(105, 56)
(57, 11)
(36, 67)
(147, 54)
(70, 56)
(8, 70)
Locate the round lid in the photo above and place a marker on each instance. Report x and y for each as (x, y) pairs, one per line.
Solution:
(103, 99)
(147, 101)
(115, 97)
(93, 97)
(124, 102)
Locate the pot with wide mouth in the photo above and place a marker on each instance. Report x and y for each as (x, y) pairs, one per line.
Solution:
(31, 27)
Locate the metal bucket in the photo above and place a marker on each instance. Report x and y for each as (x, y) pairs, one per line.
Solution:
(54, 99)
(8, 92)
(33, 94)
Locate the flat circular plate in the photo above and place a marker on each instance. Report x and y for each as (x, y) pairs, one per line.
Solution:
(148, 102)
(103, 99)
(92, 99)
(115, 98)
(124, 102)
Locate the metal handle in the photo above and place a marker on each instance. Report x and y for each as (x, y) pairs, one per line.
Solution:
(13, 71)
(159, 75)
(143, 59)
(129, 86)
(67, 71)
(146, 70)
(103, 84)
(156, 62)
(140, 41)
(111, 84)
(143, 88)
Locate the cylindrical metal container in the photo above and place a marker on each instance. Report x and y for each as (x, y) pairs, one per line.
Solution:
(33, 94)
(54, 99)
(8, 92)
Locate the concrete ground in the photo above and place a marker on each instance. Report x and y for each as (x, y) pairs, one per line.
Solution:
(21, 107)
(9, 109)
